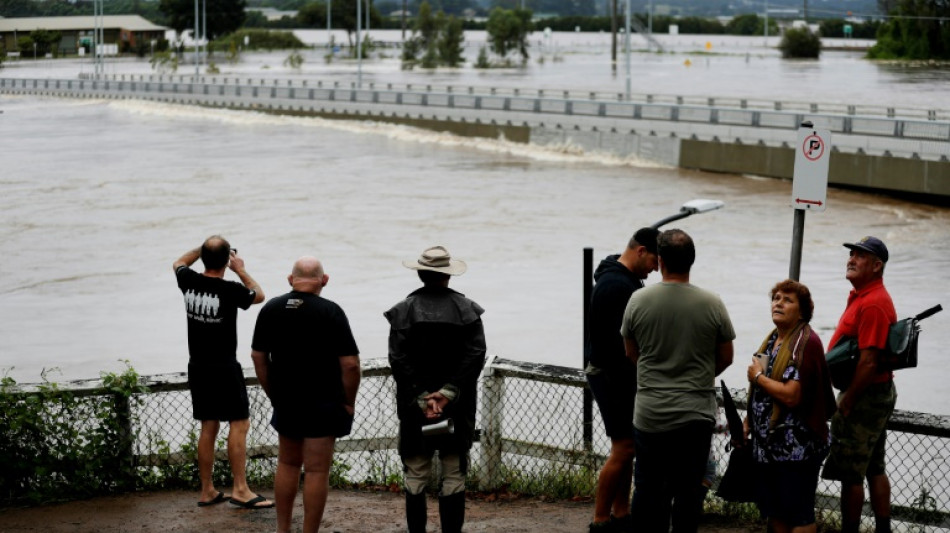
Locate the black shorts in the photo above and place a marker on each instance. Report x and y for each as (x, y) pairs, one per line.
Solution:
(218, 391)
(312, 421)
(615, 392)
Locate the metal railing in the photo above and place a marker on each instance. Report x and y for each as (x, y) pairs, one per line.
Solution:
(566, 94)
(934, 134)
(539, 447)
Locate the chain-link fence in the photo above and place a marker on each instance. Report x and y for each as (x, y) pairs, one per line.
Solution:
(533, 437)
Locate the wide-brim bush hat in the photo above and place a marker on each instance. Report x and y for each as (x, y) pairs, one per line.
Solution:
(437, 259)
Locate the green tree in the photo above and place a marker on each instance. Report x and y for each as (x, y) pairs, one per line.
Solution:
(700, 25)
(343, 16)
(313, 15)
(920, 30)
(255, 19)
(482, 61)
(800, 43)
(508, 31)
(426, 25)
(450, 42)
(224, 16)
(24, 45)
(748, 24)
(17, 8)
(438, 38)
(46, 41)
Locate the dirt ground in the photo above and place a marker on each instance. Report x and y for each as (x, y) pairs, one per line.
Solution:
(347, 511)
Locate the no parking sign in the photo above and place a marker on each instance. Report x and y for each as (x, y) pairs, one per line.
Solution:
(810, 176)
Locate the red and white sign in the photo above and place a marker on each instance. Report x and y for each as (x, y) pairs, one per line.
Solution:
(810, 176)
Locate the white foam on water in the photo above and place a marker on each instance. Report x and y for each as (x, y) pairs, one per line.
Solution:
(566, 152)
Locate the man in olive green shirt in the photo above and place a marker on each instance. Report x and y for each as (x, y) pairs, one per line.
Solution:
(680, 337)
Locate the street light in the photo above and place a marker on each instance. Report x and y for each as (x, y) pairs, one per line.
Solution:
(691, 207)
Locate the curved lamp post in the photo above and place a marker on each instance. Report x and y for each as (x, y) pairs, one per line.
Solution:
(691, 207)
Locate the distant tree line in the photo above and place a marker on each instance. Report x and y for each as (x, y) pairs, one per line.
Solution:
(915, 29)
(63, 8)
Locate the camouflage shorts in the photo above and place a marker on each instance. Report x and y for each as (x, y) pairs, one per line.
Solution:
(857, 441)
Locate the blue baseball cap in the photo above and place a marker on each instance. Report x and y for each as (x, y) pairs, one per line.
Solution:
(872, 245)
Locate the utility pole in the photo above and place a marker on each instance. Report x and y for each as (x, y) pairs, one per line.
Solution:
(626, 45)
(195, 35)
(650, 28)
(204, 25)
(405, 6)
(613, 35)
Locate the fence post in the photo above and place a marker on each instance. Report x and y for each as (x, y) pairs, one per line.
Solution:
(123, 418)
(588, 397)
(493, 397)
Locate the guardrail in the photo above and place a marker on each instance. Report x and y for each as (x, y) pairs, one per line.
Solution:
(540, 447)
(290, 95)
(566, 94)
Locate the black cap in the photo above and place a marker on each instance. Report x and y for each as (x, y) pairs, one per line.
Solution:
(647, 237)
(872, 245)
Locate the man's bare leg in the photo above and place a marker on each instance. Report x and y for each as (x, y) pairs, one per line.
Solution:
(852, 500)
(317, 458)
(879, 488)
(237, 456)
(613, 484)
(206, 441)
(287, 479)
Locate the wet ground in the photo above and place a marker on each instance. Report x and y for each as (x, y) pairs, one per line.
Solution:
(347, 511)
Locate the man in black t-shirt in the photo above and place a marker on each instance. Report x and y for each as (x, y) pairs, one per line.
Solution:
(215, 377)
(308, 364)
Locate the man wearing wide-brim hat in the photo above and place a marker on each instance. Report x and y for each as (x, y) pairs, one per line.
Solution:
(436, 351)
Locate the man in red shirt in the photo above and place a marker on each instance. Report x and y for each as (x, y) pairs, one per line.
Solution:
(859, 427)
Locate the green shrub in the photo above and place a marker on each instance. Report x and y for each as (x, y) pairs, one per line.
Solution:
(294, 60)
(55, 444)
(800, 43)
(482, 61)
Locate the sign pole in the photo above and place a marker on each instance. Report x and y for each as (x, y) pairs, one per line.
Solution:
(798, 236)
(809, 185)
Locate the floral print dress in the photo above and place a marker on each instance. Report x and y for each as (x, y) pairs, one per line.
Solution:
(790, 439)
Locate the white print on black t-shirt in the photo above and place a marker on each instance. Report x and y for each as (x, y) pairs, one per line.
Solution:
(203, 307)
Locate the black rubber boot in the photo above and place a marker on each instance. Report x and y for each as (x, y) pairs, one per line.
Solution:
(416, 512)
(452, 512)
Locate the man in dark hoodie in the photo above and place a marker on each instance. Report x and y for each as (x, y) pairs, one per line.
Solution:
(436, 351)
(613, 377)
